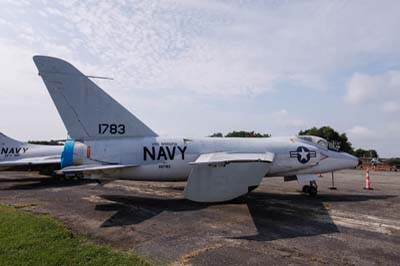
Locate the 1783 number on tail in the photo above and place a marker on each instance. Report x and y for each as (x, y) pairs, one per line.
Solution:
(113, 129)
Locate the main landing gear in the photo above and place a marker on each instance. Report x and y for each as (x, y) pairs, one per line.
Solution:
(311, 189)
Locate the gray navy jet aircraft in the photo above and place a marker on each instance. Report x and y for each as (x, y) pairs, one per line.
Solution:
(15, 154)
(108, 142)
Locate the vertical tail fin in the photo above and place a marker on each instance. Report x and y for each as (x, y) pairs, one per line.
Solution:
(7, 141)
(86, 110)
(8, 148)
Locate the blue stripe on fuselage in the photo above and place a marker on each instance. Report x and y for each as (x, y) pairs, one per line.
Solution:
(67, 154)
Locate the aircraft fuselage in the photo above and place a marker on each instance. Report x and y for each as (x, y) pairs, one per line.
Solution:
(168, 159)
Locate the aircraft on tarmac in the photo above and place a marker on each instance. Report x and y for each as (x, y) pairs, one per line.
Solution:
(21, 155)
(108, 142)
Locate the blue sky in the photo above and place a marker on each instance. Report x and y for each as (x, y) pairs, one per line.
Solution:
(191, 68)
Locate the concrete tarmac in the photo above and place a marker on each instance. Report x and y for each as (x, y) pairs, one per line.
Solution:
(274, 225)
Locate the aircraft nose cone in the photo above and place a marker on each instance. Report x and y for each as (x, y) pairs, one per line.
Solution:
(352, 160)
(338, 161)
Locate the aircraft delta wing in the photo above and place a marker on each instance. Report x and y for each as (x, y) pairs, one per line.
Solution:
(108, 142)
(221, 174)
(16, 154)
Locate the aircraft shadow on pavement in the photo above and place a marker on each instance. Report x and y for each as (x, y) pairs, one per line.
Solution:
(134, 210)
(18, 180)
(282, 216)
(42, 183)
(275, 216)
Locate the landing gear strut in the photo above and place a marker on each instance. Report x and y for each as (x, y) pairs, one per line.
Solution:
(311, 189)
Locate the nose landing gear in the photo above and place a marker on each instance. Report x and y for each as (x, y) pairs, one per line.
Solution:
(311, 189)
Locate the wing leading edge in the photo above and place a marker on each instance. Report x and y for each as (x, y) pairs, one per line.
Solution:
(92, 168)
(226, 157)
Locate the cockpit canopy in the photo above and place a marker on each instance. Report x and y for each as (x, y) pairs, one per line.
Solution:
(320, 142)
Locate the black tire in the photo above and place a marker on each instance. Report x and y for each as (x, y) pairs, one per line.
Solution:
(313, 191)
(306, 189)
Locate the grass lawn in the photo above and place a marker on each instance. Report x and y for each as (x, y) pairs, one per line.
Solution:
(31, 239)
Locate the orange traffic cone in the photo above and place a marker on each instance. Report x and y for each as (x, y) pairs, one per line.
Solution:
(367, 181)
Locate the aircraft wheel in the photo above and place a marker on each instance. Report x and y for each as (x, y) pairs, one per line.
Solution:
(313, 191)
(306, 189)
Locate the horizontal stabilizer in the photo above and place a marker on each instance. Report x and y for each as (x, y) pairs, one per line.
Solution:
(92, 168)
(210, 183)
(225, 157)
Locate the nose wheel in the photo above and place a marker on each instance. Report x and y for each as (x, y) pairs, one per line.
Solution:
(311, 189)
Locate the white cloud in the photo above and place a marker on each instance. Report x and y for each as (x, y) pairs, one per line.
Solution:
(17, 63)
(382, 139)
(378, 89)
(283, 119)
(360, 132)
(360, 88)
(217, 47)
(25, 106)
(392, 131)
(391, 107)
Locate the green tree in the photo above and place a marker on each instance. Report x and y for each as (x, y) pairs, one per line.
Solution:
(246, 134)
(216, 135)
(366, 153)
(330, 135)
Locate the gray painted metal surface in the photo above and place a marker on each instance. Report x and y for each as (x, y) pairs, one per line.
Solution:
(14, 153)
(111, 143)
